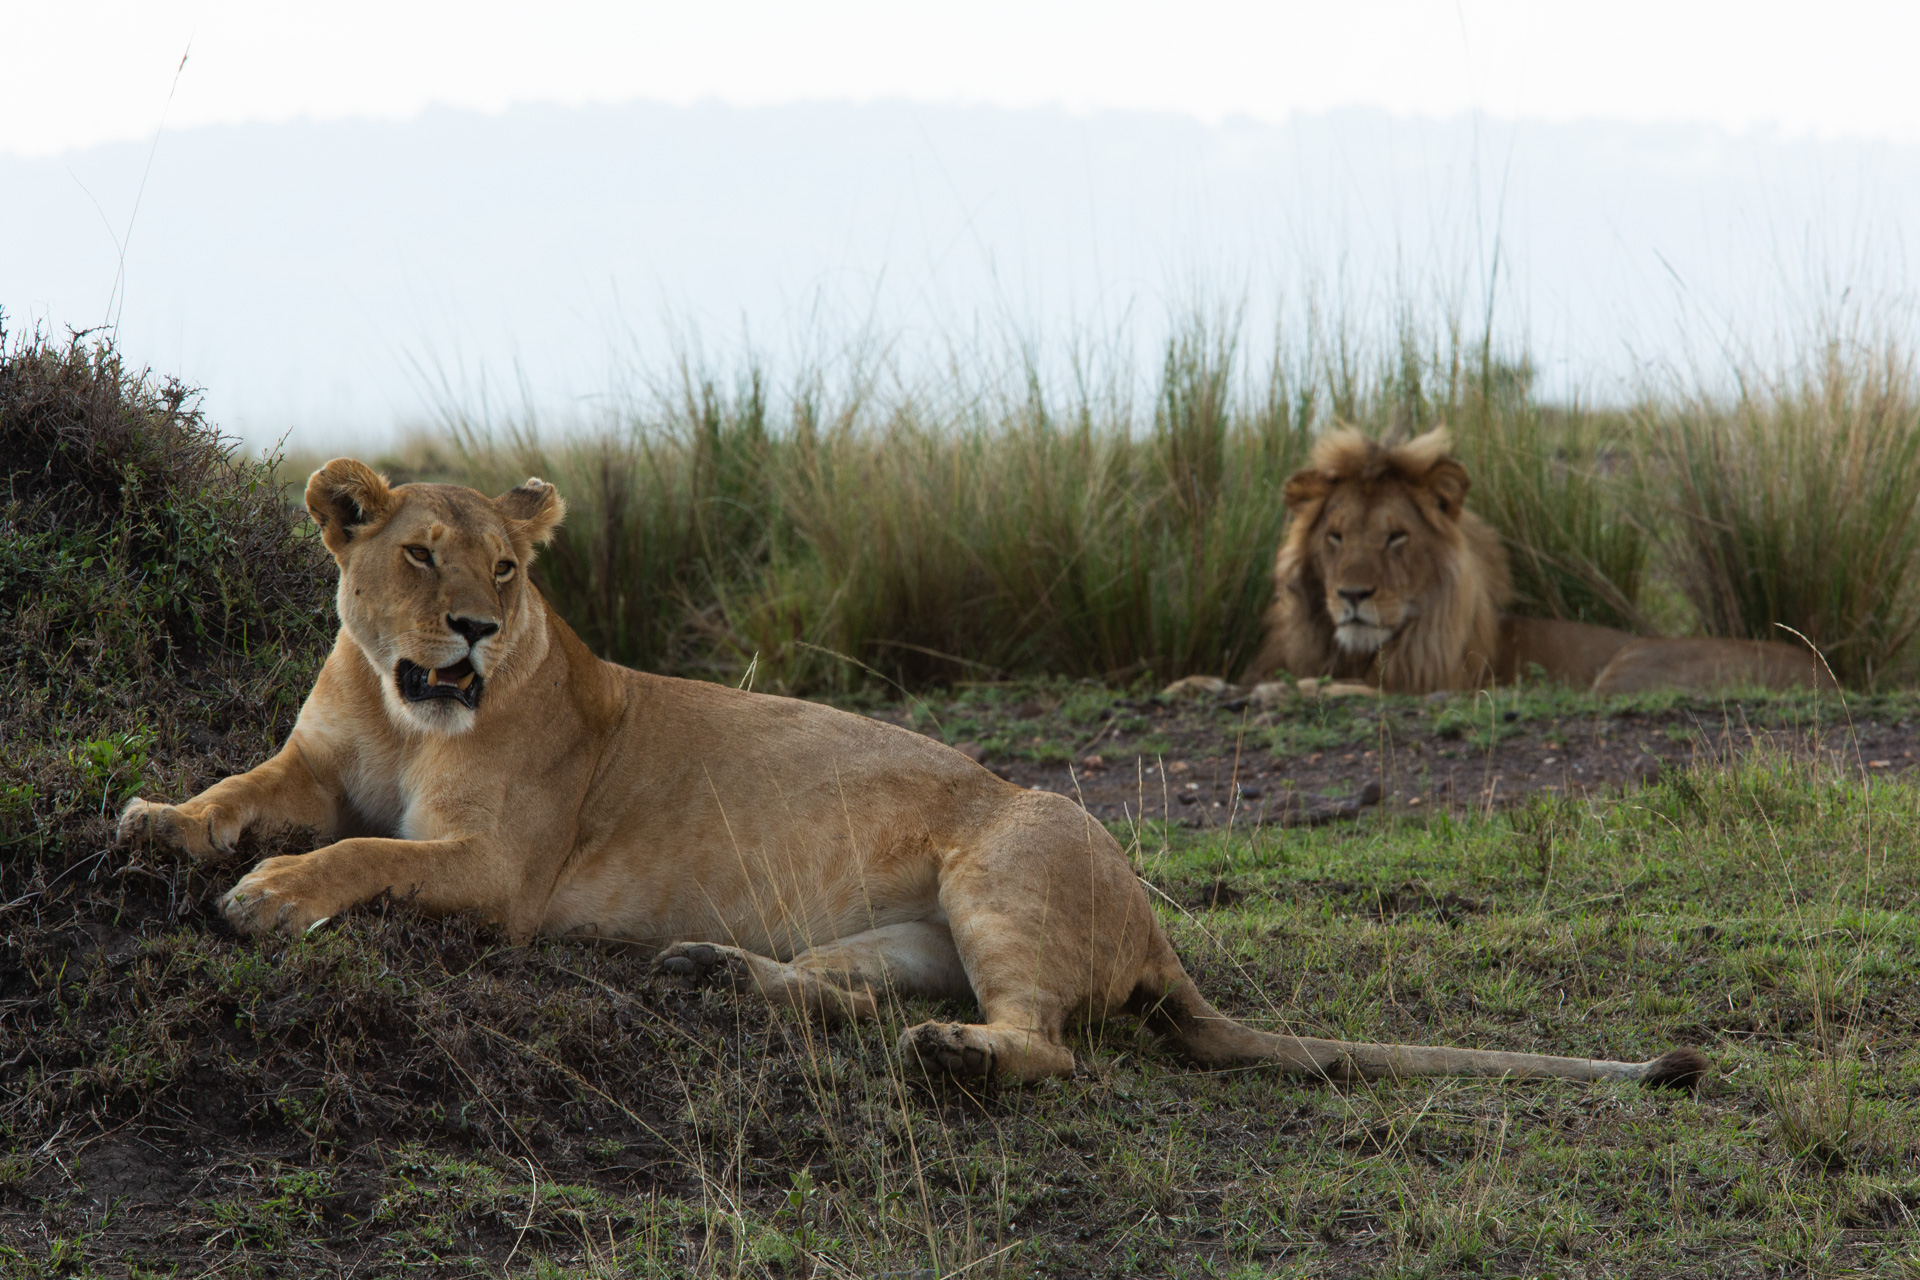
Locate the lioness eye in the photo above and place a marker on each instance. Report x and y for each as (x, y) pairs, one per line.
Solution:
(1334, 538)
(1395, 539)
(420, 556)
(503, 570)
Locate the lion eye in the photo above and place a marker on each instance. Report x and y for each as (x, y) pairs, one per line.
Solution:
(1395, 539)
(420, 556)
(1333, 538)
(503, 570)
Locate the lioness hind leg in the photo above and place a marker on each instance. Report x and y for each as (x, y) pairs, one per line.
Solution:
(836, 980)
(1051, 924)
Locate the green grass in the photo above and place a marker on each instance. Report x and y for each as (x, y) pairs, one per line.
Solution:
(1764, 912)
(1795, 502)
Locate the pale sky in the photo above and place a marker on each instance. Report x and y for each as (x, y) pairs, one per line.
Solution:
(75, 73)
(359, 214)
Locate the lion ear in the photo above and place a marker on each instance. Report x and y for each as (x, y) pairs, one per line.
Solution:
(344, 497)
(1307, 486)
(1448, 482)
(533, 510)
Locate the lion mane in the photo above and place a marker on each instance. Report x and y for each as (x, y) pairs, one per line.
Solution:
(1384, 575)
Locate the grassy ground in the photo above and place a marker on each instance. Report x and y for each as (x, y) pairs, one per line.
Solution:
(394, 1093)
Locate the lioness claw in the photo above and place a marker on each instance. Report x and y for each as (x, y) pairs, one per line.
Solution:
(701, 964)
(942, 1046)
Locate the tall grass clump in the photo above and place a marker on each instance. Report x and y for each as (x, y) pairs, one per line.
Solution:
(1555, 481)
(1793, 503)
(987, 523)
(975, 528)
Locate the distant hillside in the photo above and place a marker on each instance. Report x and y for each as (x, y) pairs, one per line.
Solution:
(337, 278)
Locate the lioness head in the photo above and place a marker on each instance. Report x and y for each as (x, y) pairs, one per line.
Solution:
(433, 585)
(1383, 572)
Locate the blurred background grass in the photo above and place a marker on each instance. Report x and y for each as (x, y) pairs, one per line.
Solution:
(994, 521)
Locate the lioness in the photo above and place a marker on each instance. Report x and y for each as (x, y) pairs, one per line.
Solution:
(464, 751)
(1385, 576)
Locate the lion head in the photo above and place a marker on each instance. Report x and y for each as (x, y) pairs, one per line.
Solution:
(1384, 575)
(433, 585)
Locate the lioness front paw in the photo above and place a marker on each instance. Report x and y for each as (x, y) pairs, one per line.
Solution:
(948, 1047)
(273, 897)
(209, 833)
(706, 964)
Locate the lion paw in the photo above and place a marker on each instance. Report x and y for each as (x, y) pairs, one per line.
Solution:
(946, 1046)
(208, 834)
(269, 898)
(705, 964)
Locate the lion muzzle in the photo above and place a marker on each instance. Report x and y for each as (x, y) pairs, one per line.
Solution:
(459, 682)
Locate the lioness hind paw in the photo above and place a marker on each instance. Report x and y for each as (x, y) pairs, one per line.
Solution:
(943, 1047)
(702, 964)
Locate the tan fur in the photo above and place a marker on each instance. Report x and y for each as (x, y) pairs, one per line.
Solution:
(819, 857)
(1696, 662)
(1384, 576)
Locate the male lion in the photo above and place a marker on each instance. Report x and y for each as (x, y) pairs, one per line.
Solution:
(463, 750)
(1385, 576)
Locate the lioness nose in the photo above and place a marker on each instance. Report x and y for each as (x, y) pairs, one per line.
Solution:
(474, 629)
(1354, 595)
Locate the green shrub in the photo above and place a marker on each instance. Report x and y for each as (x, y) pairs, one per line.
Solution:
(153, 584)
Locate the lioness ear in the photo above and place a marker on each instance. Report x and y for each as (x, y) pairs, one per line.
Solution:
(1448, 483)
(1306, 486)
(533, 510)
(343, 497)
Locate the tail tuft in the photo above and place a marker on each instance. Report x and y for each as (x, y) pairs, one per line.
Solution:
(1681, 1068)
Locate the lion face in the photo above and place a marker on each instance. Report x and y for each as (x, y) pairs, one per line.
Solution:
(1374, 557)
(433, 585)
(1383, 574)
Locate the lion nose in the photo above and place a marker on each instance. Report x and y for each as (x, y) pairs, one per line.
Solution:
(474, 629)
(1354, 595)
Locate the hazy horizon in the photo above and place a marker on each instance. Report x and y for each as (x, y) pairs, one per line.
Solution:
(341, 281)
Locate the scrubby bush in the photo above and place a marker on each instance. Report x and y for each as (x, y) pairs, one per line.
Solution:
(156, 594)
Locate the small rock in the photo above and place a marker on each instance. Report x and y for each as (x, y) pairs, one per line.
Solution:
(1347, 689)
(1440, 697)
(1093, 763)
(1187, 797)
(1196, 687)
(1179, 766)
(1270, 694)
(1249, 792)
(1372, 793)
(204, 738)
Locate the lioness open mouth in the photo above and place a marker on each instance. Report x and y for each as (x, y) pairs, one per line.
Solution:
(422, 684)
